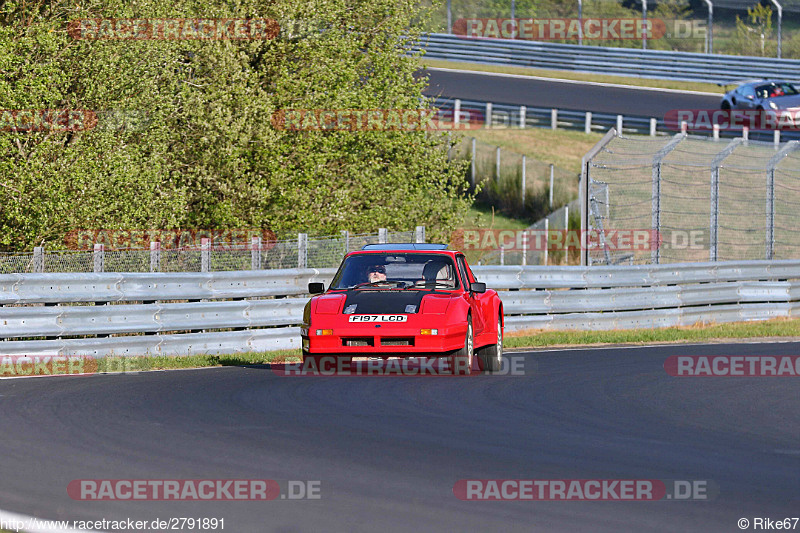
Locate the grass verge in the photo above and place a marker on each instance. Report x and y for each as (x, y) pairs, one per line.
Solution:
(777, 328)
(576, 76)
(716, 332)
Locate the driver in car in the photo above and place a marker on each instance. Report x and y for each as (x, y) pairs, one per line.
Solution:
(376, 273)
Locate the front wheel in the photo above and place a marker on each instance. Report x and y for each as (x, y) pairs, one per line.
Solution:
(461, 361)
(490, 358)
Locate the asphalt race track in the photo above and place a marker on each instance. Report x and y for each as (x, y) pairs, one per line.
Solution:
(388, 450)
(563, 95)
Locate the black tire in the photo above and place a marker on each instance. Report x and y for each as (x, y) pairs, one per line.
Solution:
(490, 358)
(725, 106)
(461, 361)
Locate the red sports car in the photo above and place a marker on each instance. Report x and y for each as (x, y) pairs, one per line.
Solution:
(405, 300)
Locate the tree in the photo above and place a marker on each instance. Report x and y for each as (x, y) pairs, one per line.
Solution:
(202, 151)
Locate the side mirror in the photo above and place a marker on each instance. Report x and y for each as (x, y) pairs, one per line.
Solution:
(316, 288)
(477, 287)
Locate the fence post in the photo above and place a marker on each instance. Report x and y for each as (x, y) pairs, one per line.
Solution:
(488, 119)
(420, 234)
(655, 207)
(38, 259)
(472, 167)
(524, 249)
(255, 253)
(791, 146)
(98, 257)
(155, 256)
(449, 17)
(552, 182)
(522, 117)
(553, 119)
(653, 124)
(619, 124)
(497, 165)
(205, 255)
(449, 145)
(457, 111)
(566, 234)
(714, 223)
(383, 236)
(546, 238)
(502, 255)
(302, 250)
(524, 165)
(346, 239)
(587, 128)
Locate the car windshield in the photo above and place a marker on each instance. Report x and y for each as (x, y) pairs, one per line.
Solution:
(774, 90)
(401, 270)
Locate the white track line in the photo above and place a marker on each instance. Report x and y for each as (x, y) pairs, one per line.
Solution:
(577, 82)
(35, 525)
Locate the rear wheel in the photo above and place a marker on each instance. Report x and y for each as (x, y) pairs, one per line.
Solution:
(490, 357)
(461, 361)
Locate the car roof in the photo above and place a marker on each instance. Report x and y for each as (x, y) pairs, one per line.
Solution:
(405, 246)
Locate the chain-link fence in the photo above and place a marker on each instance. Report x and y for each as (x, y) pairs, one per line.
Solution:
(515, 184)
(302, 252)
(699, 199)
(540, 251)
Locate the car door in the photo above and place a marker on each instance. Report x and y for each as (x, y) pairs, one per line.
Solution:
(476, 302)
(747, 98)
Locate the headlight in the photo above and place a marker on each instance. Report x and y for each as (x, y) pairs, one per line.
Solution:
(773, 105)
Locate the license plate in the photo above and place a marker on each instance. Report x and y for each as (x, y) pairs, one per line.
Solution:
(378, 318)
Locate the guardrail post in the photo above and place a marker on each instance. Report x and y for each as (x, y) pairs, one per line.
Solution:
(522, 119)
(619, 124)
(497, 165)
(383, 236)
(684, 126)
(745, 133)
(714, 223)
(587, 127)
(776, 138)
(715, 127)
(472, 166)
(653, 124)
(155, 256)
(457, 111)
(552, 182)
(524, 166)
(553, 119)
(255, 253)
(420, 234)
(205, 255)
(38, 259)
(488, 115)
(346, 241)
(98, 257)
(302, 250)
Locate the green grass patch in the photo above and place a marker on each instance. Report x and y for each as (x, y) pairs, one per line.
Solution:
(577, 76)
(164, 362)
(733, 330)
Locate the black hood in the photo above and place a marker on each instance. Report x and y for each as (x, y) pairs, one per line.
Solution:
(375, 302)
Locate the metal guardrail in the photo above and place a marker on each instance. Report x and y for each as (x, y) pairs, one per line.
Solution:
(499, 115)
(234, 315)
(657, 64)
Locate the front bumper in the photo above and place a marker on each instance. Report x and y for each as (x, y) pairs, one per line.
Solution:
(387, 340)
